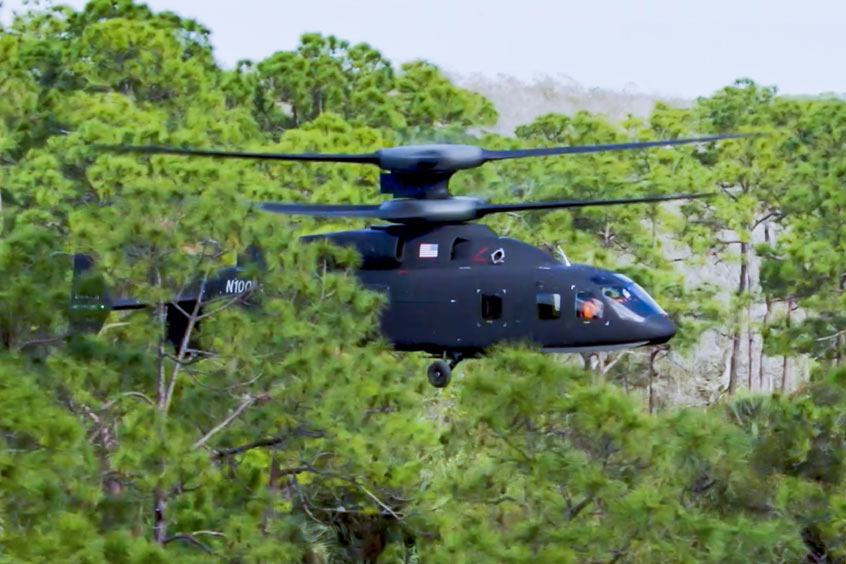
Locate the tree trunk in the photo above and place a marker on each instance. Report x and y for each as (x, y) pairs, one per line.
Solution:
(735, 351)
(750, 344)
(652, 354)
(590, 361)
(838, 339)
(159, 516)
(161, 378)
(607, 236)
(735, 339)
(785, 361)
(273, 489)
(766, 320)
(750, 335)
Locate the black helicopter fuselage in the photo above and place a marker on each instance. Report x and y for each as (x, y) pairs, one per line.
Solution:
(456, 290)
(453, 291)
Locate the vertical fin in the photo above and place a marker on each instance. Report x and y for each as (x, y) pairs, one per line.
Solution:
(90, 302)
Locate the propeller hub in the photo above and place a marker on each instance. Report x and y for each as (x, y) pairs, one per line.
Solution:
(424, 159)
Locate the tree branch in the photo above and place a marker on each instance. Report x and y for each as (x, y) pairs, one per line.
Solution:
(377, 500)
(186, 338)
(190, 538)
(306, 503)
(248, 401)
(229, 303)
(765, 218)
(574, 510)
(271, 441)
(605, 369)
(209, 533)
(179, 308)
(830, 337)
(138, 395)
(43, 341)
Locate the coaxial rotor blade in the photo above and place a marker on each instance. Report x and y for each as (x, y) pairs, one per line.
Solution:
(322, 210)
(419, 171)
(487, 209)
(449, 210)
(421, 159)
(489, 155)
(366, 158)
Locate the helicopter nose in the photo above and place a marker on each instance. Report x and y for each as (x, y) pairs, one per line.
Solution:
(659, 329)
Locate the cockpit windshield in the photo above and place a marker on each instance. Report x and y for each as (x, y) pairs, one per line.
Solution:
(628, 299)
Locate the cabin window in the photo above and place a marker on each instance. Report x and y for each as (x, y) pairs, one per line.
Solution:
(589, 307)
(399, 250)
(491, 307)
(549, 305)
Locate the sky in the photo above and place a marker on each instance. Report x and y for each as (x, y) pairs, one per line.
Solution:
(683, 48)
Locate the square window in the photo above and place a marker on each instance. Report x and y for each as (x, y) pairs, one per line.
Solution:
(549, 305)
(588, 307)
(491, 307)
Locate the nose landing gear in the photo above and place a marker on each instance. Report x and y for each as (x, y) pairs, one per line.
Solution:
(439, 371)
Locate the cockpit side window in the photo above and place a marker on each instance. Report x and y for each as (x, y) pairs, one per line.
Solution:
(549, 305)
(589, 307)
(617, 293)
(632, 298)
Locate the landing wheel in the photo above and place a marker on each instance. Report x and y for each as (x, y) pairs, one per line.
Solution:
(439, 373)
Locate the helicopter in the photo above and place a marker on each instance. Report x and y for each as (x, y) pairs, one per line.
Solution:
(453, 287)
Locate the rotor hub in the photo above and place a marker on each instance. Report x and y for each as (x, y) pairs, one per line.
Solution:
(456, 209)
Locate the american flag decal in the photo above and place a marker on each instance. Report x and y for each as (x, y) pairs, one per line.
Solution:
(428, 250)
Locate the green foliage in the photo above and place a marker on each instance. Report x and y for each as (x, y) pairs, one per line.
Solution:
(326, 74)
(804, 267)
(287, 430)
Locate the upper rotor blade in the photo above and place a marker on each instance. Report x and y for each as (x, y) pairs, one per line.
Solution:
(432, 163)
(323, 210)
(366, 158)
(545, 151)
(498, 208)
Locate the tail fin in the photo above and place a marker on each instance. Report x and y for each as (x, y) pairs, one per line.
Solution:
(90, 301)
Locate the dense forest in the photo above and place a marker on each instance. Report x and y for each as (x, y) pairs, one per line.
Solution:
(301, 436)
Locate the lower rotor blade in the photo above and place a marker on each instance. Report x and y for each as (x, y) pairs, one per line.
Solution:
(322, 210)
(498, 208)
(449, 210)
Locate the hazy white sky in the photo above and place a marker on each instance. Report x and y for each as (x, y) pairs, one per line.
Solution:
(672, 47)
